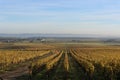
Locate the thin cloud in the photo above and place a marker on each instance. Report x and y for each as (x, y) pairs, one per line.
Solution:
(63, 16)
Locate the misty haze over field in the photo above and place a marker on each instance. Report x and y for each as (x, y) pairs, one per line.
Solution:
(59, 39)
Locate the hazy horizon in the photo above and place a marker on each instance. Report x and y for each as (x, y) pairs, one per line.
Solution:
(97, 17)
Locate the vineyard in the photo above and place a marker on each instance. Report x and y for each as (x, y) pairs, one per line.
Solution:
(65, 62)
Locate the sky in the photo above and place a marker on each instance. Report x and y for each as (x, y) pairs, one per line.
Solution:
(60, 16)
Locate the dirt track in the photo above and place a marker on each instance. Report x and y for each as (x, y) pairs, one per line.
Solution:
(11, 75)
(21, 70)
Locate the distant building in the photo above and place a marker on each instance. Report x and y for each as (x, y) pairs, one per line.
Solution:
(43, 40)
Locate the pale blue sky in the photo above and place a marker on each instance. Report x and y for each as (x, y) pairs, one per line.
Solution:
(60, 16)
